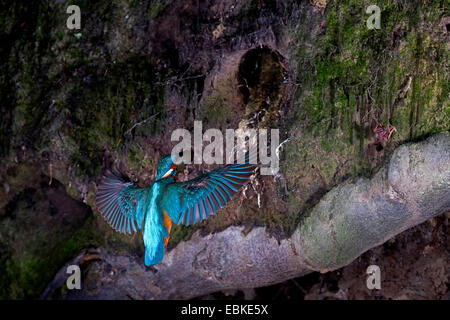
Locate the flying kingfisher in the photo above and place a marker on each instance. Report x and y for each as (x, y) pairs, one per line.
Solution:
(155, 208)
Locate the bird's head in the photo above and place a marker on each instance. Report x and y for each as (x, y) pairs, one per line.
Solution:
(166, 168)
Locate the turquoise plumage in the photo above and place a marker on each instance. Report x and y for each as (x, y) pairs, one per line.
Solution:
(127, 208)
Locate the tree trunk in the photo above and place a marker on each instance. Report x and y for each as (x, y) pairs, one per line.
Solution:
(349, 220)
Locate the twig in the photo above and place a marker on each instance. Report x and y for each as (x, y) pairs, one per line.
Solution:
(51, 174)
(140, 123)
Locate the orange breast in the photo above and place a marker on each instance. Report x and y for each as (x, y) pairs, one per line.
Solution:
(168, 224)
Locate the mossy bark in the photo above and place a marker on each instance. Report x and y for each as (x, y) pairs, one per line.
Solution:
(70, 98)
(352, 218)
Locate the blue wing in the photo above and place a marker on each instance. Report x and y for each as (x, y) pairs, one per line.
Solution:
(195, 200)
(121, 203)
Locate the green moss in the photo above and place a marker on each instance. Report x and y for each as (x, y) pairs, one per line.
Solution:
(138, 158)
(215, 112)
(156, 7)
(85, 95)
(103, 113)
(351, 77)
(26, 273)
(18, 177)
(179, 233)
(27, 37)
(85, 237)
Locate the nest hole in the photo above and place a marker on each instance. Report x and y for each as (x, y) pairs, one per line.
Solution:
(261, 76)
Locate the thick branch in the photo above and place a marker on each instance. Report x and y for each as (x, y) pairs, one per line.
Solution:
(352, 218)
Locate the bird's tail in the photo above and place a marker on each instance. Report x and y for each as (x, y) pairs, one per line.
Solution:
(154, 233)
(155, 254)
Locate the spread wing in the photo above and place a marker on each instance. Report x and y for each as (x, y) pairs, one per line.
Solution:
(121, 203)
(195, 200)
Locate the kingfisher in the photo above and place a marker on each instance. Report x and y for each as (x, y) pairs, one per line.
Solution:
(127, 208)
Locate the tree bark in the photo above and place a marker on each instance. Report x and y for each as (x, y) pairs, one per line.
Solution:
(413, 186)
